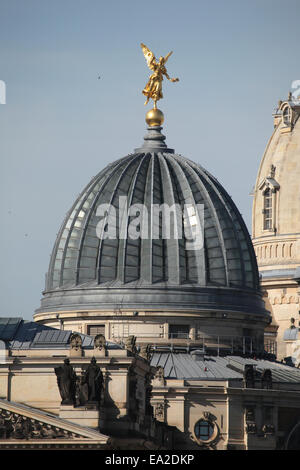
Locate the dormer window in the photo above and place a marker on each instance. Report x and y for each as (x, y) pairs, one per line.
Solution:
(269, 188)
(287, 116)
(268, 209)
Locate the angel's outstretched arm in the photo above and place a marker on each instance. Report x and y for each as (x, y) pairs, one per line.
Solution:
(169, 78)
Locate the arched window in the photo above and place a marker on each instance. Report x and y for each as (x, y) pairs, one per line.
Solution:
(268, 209)
(287, 116)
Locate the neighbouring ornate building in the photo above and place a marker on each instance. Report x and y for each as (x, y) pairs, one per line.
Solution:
(148, 342)
(64, 390)
(276, 229)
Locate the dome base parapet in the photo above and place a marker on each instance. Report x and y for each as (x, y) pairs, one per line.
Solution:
(187, 298)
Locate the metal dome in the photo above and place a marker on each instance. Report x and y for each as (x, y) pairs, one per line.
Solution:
(90, 271)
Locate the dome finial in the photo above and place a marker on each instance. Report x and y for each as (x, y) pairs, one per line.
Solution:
(154, 117)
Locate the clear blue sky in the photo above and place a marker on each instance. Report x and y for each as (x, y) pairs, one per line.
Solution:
(61, 124)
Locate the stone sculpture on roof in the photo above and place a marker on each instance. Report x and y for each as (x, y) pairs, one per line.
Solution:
(94, 379)
(66, 380)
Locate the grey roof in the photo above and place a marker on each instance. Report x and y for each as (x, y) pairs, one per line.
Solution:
(89, 271)
(32, 335)
(280, 372)
(8, 327)
(184, 366)
(47, 337)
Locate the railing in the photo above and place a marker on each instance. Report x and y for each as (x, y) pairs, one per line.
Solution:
(179, 335)
(232, 344)
(216, 343)
(213, 344)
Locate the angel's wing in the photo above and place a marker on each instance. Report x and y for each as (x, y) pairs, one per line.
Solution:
(149, 56)
(167, 56)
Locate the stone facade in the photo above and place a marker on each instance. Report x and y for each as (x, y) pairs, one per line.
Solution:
(226, 406)
(28, 381)
(276, 221)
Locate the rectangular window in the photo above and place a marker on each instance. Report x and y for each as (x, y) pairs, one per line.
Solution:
(179, 331)
(268, 209)
(268, 415)
(250, 414)
(94, 330)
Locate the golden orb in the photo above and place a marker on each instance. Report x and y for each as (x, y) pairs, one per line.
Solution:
(155, 117)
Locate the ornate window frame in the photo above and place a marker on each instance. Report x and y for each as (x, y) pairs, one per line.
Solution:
(287, 115)
(289, 111)
(214, 437)
(268, 208)
(270, 186)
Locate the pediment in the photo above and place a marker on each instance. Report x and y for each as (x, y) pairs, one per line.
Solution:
(20, 424)
(269, 182)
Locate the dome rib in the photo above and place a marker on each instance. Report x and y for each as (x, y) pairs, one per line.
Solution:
(173, 248)
(146, 246)
(195, 259)
(158, 246)
(108, 273)
(135, 245)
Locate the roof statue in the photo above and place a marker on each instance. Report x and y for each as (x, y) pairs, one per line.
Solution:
(153, 88)
(66, 379)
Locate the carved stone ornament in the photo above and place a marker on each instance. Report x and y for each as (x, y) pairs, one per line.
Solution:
(272, 171)
(268, 429)
(76, 342)
(251, 428)
(145, 351)
(130, 344)
(100, 343)
(159, 376)
(209, 416)
(15, 426)
(159, 411)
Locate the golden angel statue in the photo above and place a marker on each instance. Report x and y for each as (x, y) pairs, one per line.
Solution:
(153, 89)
